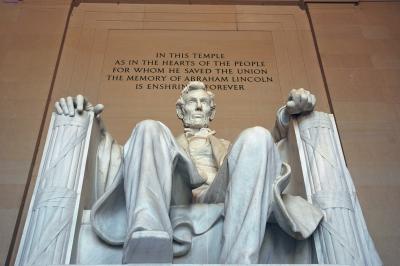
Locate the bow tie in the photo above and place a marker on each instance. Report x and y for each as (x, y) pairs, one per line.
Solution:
(202, 133)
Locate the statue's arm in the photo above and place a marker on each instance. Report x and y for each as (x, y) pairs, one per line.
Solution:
(109, 152)
(281, 124)
(299, 102)
(73, 106)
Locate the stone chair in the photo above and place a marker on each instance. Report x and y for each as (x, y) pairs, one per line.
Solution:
(58, 230)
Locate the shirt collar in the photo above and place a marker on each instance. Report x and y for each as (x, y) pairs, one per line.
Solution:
(203, 132)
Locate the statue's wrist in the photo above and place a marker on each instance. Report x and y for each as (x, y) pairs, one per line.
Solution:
(284, 116)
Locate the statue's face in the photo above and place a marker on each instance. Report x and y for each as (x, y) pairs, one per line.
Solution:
(197, 109)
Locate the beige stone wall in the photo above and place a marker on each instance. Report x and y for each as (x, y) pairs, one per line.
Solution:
(103, 33)
(30, 39)
(360, 51)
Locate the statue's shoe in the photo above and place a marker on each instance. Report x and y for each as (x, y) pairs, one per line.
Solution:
(148, 247)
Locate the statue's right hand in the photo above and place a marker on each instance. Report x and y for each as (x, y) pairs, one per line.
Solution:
(70, 105)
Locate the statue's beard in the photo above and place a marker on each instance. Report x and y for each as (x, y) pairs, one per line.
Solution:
(189, 122)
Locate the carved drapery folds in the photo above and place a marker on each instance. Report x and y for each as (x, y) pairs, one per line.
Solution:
(50, 226)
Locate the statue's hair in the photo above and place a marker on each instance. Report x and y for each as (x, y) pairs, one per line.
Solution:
(195, 85)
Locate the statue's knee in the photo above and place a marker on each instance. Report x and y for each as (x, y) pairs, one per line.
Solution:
(149, 126)
(256, 136)
(256, 132)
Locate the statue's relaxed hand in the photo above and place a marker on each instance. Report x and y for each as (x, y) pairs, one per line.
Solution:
(70, 105)
(300, 101)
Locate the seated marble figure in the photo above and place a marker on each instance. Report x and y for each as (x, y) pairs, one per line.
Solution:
(154, 171)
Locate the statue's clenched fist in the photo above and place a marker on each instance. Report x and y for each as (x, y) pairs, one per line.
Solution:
(70, 105)
(300, 101)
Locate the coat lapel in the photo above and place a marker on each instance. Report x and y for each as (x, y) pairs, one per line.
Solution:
(183, 143)
(218, 148)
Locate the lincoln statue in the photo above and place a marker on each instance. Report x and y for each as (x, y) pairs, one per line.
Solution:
(141, 182)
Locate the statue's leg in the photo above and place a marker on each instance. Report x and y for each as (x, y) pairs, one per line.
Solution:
(149, 158)
(253, 165)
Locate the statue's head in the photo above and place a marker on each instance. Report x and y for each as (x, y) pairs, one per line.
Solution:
(195, 107)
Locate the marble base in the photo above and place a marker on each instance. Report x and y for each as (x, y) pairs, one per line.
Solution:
(162, 264)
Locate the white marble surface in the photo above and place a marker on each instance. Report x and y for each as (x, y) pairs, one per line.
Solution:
(249, 180)
(248, 185)
(166, 264)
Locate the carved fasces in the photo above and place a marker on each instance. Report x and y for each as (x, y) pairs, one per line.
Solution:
(50, 225)
(342, 237)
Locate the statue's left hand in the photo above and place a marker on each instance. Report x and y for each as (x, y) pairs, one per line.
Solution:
(300, 101)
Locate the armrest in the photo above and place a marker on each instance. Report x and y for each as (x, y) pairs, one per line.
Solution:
(342, 237)
(50, 227)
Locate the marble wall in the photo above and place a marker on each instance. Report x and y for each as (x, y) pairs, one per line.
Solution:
(30, 40)
(359, 48)
(100, 35)
(360, 52)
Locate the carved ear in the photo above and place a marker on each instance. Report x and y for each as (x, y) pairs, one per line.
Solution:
(179, 112)
(212, 114)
